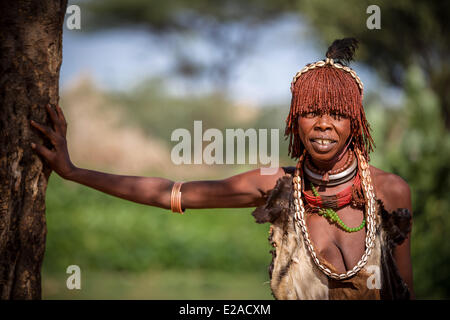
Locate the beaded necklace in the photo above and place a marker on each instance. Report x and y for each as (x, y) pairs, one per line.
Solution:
(326, 205)
(332, 215)
(336, 201)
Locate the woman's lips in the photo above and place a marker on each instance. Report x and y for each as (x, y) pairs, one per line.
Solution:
(322, 145)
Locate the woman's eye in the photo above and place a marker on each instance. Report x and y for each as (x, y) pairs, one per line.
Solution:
(337, 116)
(310, 114)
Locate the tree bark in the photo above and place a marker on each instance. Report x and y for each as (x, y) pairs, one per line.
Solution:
(30, 59)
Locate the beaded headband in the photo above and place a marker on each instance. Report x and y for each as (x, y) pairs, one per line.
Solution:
(330, 62)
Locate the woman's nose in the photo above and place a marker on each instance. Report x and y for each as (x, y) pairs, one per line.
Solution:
(323, 123)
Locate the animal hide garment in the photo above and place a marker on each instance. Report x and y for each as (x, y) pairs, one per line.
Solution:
(293, 273)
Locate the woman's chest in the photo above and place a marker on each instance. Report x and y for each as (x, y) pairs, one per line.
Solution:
(342, 249)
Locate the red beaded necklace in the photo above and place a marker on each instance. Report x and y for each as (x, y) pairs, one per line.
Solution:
(336, 201)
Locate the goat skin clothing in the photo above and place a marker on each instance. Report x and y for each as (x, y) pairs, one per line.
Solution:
(293, 273)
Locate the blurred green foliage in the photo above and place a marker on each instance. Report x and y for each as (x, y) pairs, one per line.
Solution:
(174, 284)
(412, 142)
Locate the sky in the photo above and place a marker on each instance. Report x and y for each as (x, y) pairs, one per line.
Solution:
(120, 59)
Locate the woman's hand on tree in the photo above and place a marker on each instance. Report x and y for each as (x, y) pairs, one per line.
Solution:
(58, 158)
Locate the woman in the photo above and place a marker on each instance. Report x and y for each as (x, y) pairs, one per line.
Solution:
(339, 227)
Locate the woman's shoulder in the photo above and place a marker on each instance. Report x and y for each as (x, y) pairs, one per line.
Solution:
(388, 181)
(391, 189)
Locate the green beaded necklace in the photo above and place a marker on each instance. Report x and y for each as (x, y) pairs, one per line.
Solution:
(333, 216)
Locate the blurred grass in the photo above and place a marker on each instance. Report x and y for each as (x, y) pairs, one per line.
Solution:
(159, 284)
(123, 247)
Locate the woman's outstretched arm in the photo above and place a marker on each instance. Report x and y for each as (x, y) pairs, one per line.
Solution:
(243, 190)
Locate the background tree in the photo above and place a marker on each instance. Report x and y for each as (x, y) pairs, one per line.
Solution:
(30, 59)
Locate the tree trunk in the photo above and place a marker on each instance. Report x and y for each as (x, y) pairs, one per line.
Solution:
(30, 59)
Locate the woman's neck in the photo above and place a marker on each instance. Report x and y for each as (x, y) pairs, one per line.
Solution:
(332, 165)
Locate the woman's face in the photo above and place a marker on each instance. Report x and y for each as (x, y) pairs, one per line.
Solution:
(324, 136)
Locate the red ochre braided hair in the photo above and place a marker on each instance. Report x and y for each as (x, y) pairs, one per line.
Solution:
(330, 86)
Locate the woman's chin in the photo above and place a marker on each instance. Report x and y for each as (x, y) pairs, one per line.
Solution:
(324, 154)
(324, 148)
(323, 157)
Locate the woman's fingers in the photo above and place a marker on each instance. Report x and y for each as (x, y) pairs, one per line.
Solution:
(55, 118)
(44, 129)
(43, 151)
(60, 114)
(62, 119)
